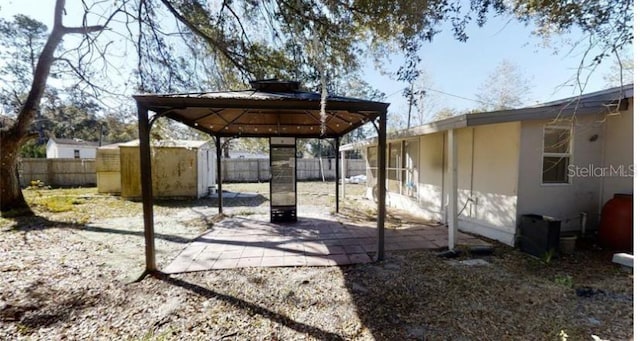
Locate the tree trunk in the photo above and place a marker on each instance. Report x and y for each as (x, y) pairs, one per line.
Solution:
(12, 202)
(225, 149)
(11, 199)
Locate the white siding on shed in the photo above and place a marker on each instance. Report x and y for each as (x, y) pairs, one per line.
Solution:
(68, 151)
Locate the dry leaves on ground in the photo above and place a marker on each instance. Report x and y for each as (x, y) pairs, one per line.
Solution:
(67, 279)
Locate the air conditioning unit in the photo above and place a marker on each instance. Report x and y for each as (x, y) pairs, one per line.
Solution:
(539, 235)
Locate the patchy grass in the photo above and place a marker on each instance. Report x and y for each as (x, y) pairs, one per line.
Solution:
(56, 200)
(78, 205)
(57, 203)
(565, 280)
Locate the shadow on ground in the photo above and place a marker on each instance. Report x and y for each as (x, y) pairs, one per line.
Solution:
(252, 309)
(37, 223)
(238, 200)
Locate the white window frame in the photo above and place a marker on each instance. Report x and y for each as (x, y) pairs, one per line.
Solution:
(568, 155)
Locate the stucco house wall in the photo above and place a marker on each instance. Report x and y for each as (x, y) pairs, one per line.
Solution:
(565, 201)
(430, 175)
(500, 165)
(602, 165)
(488, 180)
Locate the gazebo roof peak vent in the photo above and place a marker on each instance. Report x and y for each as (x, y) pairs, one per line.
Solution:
(275, 85)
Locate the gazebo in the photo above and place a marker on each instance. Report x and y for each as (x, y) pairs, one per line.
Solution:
(271, 108)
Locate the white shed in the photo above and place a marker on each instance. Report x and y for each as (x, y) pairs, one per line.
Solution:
(71, 149)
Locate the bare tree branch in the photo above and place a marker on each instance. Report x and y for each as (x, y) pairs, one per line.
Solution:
(82, 30)
(217, 44)
(225, 4)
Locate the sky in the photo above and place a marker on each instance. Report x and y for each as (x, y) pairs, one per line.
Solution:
(460, 68)
(452, 67)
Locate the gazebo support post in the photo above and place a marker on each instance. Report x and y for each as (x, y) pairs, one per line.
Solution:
(219, 173)
(382, 172)
(343, 173)
(337, 145)
(146, 182)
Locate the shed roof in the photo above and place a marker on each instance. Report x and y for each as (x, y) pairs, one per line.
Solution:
(188, 144)
(600, 102)
(74, 142)
(270, 108)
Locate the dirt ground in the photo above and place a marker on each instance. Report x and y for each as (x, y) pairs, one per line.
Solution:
(66, 273)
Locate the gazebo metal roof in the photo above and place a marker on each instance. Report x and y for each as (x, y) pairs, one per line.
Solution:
(270, 108)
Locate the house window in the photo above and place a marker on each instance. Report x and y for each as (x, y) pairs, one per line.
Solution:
(556, 155)
(395, 161)
(76, 153)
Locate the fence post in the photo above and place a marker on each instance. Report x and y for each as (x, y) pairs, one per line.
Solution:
(258, 169)
(49, 171)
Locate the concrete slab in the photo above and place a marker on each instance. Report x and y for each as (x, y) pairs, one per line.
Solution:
(315, 240)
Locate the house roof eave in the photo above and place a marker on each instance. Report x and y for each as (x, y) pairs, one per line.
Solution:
(600, 102)
(557, 111)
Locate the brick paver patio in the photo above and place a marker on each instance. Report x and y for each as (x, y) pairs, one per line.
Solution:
(314, 240)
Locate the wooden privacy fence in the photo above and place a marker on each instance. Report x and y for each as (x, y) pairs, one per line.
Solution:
(251, 170)
(82, 172)
(58, 172)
